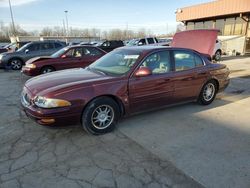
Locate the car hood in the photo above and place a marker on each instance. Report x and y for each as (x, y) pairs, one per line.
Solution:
(35, 59)
(11, 54)
(58, 80)
(202, 41)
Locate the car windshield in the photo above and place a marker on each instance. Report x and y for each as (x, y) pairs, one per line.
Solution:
(8, 45)
(116, 63)
(59, 52)
(133, 42)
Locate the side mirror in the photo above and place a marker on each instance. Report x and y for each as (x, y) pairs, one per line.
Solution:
(143, 71)
(27, 51)
(63, 56)
(140, 44)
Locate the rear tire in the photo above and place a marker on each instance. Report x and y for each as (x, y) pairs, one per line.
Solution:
(208, 93)
(217, 55)
(47, 69)
(100, 116)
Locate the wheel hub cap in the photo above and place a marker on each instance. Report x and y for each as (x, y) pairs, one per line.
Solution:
(15, 64)
(209, 92)
(102, 116)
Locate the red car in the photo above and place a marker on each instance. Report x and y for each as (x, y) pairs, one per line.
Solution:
(68, 57)
(126, 81)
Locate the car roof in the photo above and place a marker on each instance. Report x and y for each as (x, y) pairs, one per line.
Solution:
(52, 41)
(148, 49)
(82, 46)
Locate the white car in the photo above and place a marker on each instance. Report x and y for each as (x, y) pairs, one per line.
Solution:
(217, 51)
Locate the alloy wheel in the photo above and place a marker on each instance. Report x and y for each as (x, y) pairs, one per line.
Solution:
(209, 92)
(102, 117)
(47, 70)
(16, 64)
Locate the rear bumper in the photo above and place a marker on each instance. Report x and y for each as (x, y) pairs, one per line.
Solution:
(224, 84)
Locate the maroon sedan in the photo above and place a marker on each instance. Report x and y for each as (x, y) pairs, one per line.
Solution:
(126, 81)
(68, 57)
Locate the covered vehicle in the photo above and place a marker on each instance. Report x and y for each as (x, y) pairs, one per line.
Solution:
(68, 57)
(126, 81)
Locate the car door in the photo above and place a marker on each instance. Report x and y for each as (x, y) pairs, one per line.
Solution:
(154, 90)
(90, 55)
(189, 76)
(47, 48)
(71, 58)
(33, 50)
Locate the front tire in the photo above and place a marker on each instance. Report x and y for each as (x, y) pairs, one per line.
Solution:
(15, 64)
(100, 116)
(208, 93)
(47, 69)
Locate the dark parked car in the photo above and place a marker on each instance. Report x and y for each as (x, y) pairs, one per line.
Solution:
(68, 57)
(126, 81)
(110, 45)
(16, 60)
(142, 41)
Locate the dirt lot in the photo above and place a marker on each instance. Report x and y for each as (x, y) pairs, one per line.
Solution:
(35, 156)
(182, 146)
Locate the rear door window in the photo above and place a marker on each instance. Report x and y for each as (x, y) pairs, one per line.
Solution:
(91, 51)
(198, 61)
(47, 46)
(184, 60)
(150, 40)
(58, 45)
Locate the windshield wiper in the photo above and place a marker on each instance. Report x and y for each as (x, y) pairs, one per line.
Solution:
(96, 70)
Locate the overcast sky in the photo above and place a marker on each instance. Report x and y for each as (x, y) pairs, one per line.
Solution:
(157, 15)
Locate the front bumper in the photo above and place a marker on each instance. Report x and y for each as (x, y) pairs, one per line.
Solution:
(46, 117)
(52, 117)
(29, 71)
(1, 64)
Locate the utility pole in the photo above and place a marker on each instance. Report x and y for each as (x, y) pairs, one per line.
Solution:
(167, 28)
(67, 23)
(12, 18)
(127, 31)
(64, 29)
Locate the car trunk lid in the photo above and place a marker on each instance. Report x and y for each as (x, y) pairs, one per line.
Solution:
(202, 41)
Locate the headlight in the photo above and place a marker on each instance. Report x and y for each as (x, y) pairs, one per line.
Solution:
(1, 56)
(31, 66)
(44, 102)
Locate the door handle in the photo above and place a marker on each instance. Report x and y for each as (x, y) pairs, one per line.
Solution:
(188, 78)
(202, 73)
(167, 79)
